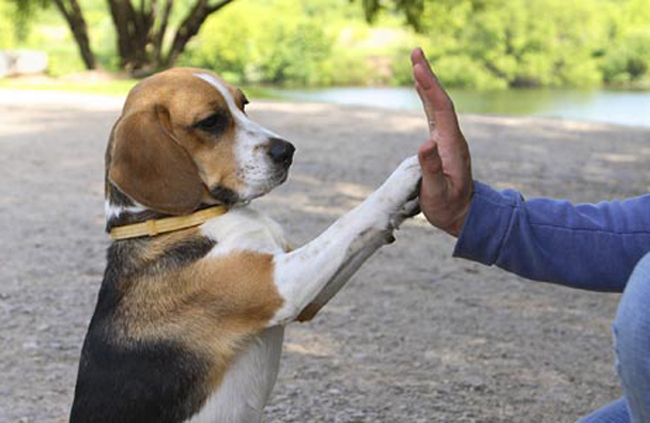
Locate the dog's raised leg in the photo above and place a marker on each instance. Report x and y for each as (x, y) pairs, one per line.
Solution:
(309, 276)
(363, 249)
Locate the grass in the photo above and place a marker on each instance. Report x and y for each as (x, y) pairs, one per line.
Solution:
(117, 87)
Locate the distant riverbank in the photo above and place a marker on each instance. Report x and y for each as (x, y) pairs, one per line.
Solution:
(630, 108)
(604, 106)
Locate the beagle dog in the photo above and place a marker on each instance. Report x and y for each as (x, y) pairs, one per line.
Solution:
(198, 286)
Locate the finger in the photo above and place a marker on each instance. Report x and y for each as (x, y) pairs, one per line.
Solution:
(434, 183)
(418, 57)
(426, 99)
(435, 100)
(437, 105)
(428, 109)
(427, 77)
(429, 82)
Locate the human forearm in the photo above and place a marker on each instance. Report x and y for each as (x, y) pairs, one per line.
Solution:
(584, 246)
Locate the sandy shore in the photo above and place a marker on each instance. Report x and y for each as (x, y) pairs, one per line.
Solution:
(416, 337)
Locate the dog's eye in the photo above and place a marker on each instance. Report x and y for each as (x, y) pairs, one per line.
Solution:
(214, 124)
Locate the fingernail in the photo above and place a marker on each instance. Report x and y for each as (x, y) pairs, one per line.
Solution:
(417, 55)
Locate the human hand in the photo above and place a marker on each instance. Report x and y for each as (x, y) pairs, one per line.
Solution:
(447, 184)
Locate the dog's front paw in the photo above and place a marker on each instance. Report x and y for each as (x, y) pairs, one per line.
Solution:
(396, 200)
(401, 187)
(411, 208)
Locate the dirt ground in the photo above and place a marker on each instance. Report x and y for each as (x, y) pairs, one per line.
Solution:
(417, 336)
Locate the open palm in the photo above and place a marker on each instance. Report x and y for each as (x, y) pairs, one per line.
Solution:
(447, 183)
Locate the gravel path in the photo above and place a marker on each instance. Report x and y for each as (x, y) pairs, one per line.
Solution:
(416, 337)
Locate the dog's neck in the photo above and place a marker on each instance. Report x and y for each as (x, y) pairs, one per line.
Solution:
(120, 210)
(121, 215)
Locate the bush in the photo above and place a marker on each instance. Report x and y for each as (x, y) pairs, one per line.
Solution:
(515, 43)
(8, 31)
(284, 42)
(465, 72)
(627, 62)
(476, 44)
(277, 44)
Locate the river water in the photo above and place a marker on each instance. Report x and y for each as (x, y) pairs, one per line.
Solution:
(618, 107)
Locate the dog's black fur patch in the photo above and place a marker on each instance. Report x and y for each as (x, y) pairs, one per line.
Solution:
(135, 380)
(142, 382)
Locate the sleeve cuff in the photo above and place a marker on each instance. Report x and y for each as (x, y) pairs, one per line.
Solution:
(487, 224)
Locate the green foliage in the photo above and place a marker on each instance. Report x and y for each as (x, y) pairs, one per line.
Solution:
(491, 44)
(7, 26)
(118, 87)
(411, 9)
(277, 41)
(39, 26)
(477, 44)
(627, 61)
(463, 71)
(302, 43)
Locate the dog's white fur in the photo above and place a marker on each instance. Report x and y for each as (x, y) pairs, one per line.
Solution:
(248, 383)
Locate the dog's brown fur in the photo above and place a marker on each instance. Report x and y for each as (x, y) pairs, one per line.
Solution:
(172, 162)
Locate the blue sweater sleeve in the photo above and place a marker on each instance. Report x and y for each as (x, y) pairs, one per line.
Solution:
(587, 246)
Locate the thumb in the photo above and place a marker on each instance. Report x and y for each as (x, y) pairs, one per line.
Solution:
(430, 161)
(434, 183)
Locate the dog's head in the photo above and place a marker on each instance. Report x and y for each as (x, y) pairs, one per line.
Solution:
(183, 140)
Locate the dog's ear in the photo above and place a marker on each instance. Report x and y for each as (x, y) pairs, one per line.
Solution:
(149, 165)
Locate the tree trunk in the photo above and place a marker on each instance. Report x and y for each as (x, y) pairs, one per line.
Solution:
(139, 42)
(190, 27)
(121, 28)
(159, 36)
(140, 35)
(134, 28)
(75, 19)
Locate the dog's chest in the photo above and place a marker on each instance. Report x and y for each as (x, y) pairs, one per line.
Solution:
(247, 384)
(249, 380)
(244, 229)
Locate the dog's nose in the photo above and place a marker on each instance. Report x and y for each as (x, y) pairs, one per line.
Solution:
(281, 151)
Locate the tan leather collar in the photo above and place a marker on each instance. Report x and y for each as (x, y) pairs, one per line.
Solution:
(168, 224)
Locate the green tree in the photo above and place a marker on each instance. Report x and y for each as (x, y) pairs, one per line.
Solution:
(275, 41)
(7, 35)
(412, 9)
(141, 29)
(521, 43)
(626, 60)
